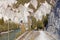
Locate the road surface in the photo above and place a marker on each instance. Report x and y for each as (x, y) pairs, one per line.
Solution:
(37, 35)
(44, 36)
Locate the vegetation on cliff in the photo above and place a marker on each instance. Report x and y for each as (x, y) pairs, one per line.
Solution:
(4, 25)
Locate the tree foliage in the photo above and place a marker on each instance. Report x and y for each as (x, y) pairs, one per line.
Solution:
(45, 20)
(1, 21)
(33, 22)
(4, 25)
(40, 24)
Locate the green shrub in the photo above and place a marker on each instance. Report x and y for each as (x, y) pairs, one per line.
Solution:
(40, 24)
(1, 21)
(12, 26)
(45, 20)
(33, 22)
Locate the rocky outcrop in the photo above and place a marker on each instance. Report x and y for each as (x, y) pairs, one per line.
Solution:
(54, 21)
(22, 12)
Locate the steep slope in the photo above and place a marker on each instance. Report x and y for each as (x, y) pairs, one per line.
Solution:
(7, 10)
(44, 9)
(54, 21)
